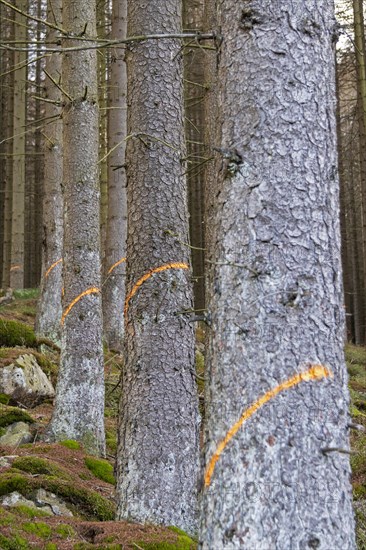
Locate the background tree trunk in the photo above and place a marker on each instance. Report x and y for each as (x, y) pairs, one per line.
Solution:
(158, 434)
(49, 305)
(280, 480)
(115, 250)
(18, 187)
(79, 406)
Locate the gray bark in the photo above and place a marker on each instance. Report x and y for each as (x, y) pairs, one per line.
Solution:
(49, 305)
(158, 434)
(115, 250)
(79, 406)
(275, 293)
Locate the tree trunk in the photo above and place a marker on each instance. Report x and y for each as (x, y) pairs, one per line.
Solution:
(158, 433)
(115, 250)
(360, 52)
(79, 406)
(49, 305)
(194, 92)
(18, 188)
(277, 472)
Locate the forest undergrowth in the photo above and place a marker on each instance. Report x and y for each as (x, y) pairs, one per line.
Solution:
(86, 484)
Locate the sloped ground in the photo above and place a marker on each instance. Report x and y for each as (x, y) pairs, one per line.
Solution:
(84, 484)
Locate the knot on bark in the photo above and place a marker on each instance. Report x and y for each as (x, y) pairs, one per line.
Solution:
(249, 18)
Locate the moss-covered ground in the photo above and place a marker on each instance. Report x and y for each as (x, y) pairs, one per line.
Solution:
(84, 483)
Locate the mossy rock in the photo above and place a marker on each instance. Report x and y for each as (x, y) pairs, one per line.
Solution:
(35, 465)
(9, 415)
(86, 502)
(15, 333)
(101, 469)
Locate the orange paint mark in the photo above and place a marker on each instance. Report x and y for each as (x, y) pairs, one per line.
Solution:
(15, 267)
(315, 372)
(147, 276)
(51, 268)
(115, 265)
(92, 290)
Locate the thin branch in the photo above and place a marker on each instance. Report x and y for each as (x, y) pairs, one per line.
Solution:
(58, 85)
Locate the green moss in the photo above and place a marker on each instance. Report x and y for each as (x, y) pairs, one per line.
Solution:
(183, 542)
(36, 465)
(86, 502)
(13, 543)
(29, 512)
(39, 529)
(15, 333)
(6, 518)
(70, 444)
(87, 546)
(65, 531)
(50, 546)
(102, 469)
(4, 399)
(9, 415)
(355, 354)
(111, 443)
(26, 293)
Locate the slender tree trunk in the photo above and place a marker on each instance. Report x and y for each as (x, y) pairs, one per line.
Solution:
(277, 474)
(115, 249)
(79, 406)
(18, 188)
(194, 91)
(49, 305)
(103, 143)
(158, 434)
(359, 32)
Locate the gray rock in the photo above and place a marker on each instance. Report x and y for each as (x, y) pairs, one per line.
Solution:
(49, 501)
(16, 434)
(25, 373)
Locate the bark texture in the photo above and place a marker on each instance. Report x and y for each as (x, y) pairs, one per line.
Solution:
(158, 435)
(275, 296)
(18, 187)
(115, 250)
(49, 305)
(79, 406)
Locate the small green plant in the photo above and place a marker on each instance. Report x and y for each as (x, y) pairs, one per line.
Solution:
(102, 469)
(9, 415)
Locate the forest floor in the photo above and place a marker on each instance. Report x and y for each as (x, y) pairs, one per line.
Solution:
(85, 484)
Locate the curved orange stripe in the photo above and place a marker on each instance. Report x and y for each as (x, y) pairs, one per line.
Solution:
(315, 372)
(15, 267)
(52, 267)
(115, 265)
(176, 265)
(92, 290)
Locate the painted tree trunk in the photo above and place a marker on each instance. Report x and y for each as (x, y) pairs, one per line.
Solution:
(79, 406)
(49, 310)
(115, 250)
(158, 434)
(277, 474)
(18, 187)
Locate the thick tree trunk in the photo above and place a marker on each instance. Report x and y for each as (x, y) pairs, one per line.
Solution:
(115, 249)
(158, 434)
(79, 405)
(18, 187)
(49, 305)
(277, 473)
